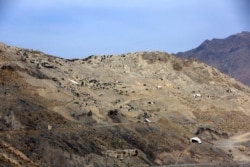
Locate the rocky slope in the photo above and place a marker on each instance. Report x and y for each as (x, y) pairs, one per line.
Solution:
(230, 55)
(135, 109)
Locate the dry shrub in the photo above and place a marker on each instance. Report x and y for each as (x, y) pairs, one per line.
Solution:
(177, 66)
(8, 67)
(187, 62)
(215, 73)
(237, 86)
(242, 148)
(152, 57)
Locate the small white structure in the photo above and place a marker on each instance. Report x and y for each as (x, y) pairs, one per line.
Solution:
(197, 95)
(150, 102)
(74, 82)
(158, 87)
(195, 140)
(49, 127)
(211, 82)
(147, 120)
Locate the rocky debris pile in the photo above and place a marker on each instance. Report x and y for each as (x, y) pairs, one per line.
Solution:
(121, 154)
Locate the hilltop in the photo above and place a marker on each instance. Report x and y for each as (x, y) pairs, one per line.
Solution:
(230, 55)
(126, 110)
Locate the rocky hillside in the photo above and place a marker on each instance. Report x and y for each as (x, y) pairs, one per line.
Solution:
(135, 109)
(230, 55)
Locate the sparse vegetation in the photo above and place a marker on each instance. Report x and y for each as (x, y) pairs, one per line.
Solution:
(177, 66)
(237, 86)
(94, 113)
(153, 57)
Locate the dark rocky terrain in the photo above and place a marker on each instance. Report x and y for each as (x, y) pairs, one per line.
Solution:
(135, 109)
(230, 55)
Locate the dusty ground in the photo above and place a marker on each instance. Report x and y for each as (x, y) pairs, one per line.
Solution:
(92, 112)
(233, 145)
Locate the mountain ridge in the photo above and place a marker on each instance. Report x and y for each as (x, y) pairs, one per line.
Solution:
(230, 55)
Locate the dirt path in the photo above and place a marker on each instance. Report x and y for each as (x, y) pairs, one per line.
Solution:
(231, 145)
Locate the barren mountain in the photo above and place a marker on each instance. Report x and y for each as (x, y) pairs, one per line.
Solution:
(230, 55)
(135, 109)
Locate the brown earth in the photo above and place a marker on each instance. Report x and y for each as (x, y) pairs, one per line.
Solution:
(93, 111)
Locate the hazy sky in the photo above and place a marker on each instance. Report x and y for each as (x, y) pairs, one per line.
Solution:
(79, 28)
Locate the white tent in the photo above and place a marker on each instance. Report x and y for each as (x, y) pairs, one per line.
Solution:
(195, 140)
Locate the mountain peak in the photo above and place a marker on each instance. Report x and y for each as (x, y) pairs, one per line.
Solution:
(229, 55)
(244, 33)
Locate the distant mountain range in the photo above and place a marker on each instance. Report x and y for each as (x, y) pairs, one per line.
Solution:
(230, 55)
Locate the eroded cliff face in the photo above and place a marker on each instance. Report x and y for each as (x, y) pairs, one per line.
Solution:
(126, 110)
